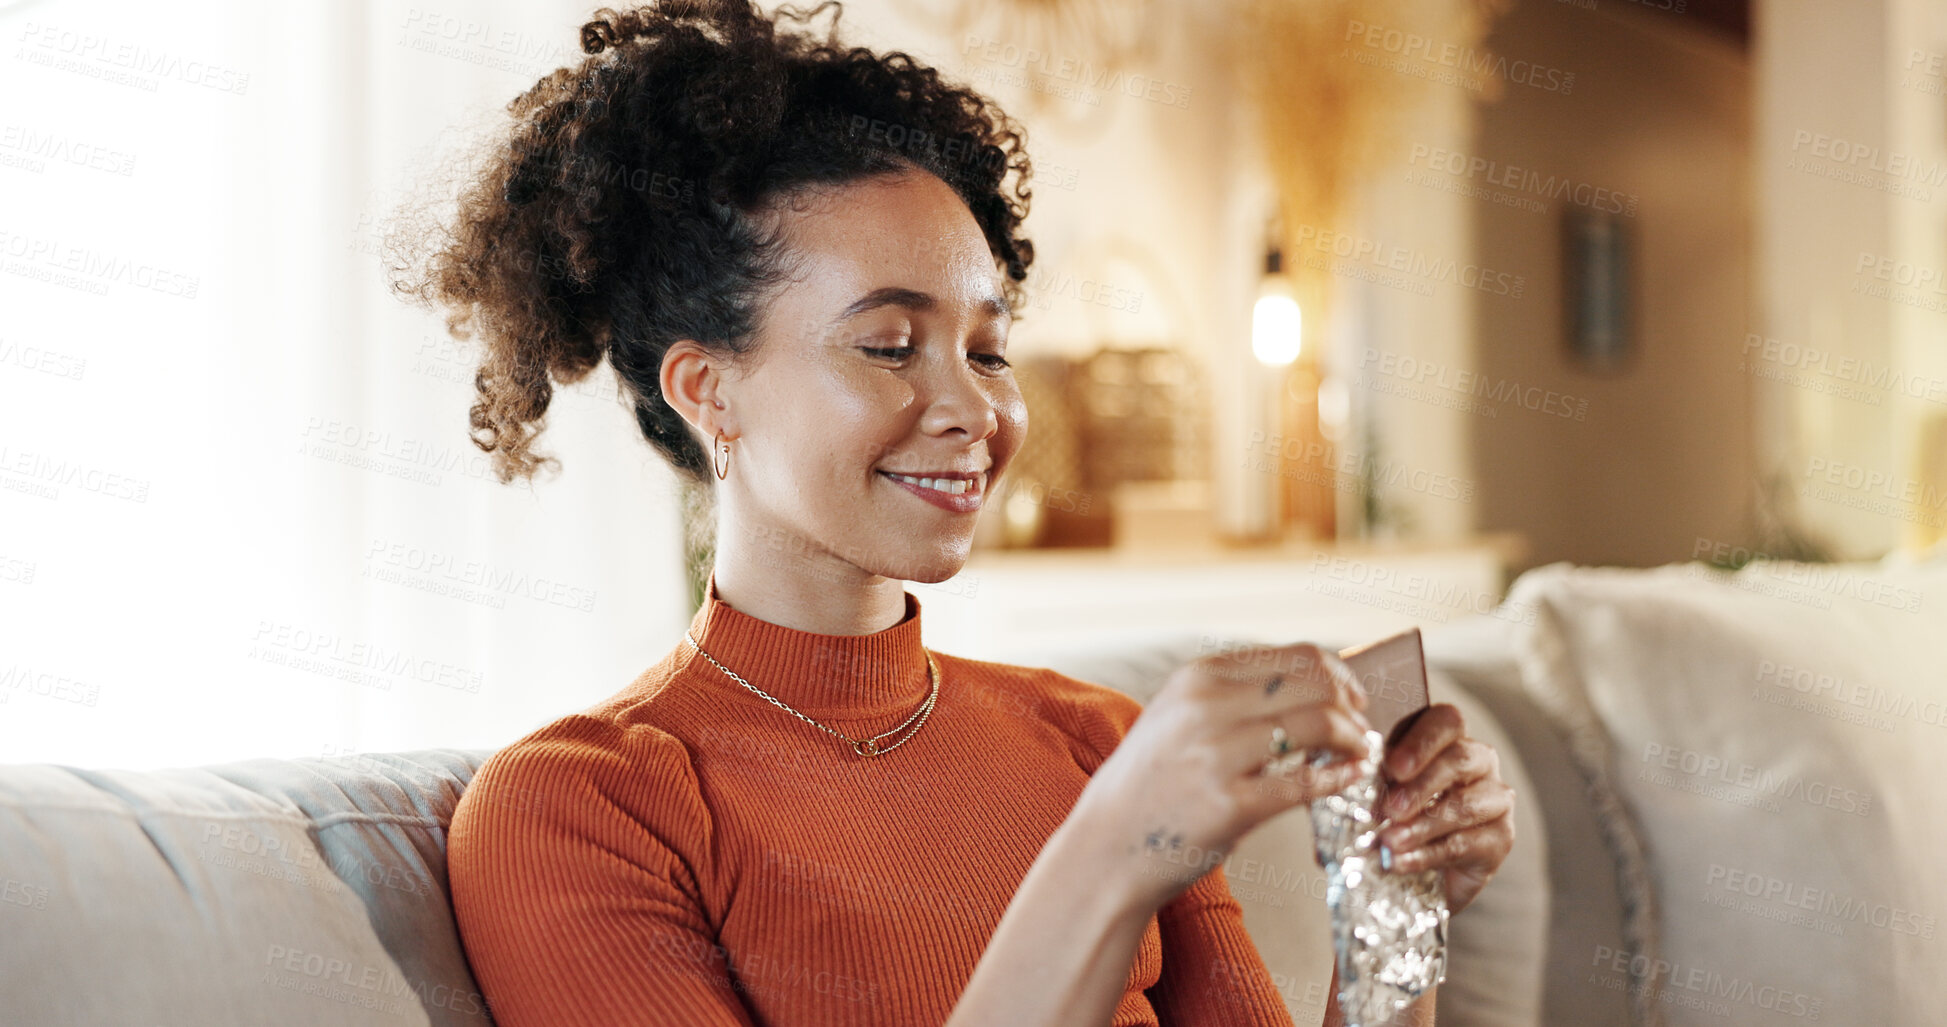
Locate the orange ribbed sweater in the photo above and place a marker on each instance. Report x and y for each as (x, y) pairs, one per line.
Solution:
(686, 854)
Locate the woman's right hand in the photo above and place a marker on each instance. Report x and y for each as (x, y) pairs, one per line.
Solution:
(1188, 779)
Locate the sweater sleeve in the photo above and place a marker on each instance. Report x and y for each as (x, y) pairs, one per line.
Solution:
(573, 862)
(1212, 970)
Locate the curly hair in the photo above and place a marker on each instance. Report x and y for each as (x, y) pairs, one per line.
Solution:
(625, 209)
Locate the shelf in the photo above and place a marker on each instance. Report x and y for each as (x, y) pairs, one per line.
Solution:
(1007, 605)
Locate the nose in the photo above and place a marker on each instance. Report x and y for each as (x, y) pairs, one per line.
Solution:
(962, 398)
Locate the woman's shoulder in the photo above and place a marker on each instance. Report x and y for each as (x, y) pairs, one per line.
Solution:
(581, 759)
(568, 806)
(1050, 685)
(1094, 715)
(615, 736)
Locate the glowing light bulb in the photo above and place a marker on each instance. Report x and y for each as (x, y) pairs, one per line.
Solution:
(1277, 329)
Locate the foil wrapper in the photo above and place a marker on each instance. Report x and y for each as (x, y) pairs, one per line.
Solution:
(1389, 929)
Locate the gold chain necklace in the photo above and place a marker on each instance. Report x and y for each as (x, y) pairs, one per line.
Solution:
(862, 746)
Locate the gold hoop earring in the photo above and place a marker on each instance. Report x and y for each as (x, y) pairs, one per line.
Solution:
(725, 469)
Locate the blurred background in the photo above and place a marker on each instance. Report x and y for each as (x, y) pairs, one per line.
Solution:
(1342, 314)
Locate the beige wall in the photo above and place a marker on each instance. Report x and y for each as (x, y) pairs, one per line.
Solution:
(1865, 78)
(1166, 203)
(1420, 452)
(1664, 455)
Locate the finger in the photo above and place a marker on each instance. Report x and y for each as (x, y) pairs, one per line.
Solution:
(1246, 747)
(1334, 673)
(1465, 761)
(1337, 675)
(1352, 691)
(1482, 847)
(1269, 679)
(1476, 804)
(1436, 727)
(1269, 792)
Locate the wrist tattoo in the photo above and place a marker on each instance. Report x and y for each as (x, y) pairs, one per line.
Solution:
(1163, 838)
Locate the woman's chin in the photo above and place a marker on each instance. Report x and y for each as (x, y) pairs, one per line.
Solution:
(935, 567)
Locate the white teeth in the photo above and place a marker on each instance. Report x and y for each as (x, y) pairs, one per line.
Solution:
(951, 486)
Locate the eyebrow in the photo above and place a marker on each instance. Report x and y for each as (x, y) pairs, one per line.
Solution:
(913, 299)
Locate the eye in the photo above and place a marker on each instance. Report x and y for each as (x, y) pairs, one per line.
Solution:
(992, 360)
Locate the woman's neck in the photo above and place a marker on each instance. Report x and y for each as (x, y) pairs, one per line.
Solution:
(825, 597)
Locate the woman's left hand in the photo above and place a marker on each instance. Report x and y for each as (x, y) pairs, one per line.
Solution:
(1446, 804)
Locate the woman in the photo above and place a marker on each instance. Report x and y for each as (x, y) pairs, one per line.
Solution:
(790, 252)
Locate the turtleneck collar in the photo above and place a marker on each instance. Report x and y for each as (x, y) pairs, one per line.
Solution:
(821, 676)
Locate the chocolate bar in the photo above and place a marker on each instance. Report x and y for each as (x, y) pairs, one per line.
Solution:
(1389, 929)
(1392, 674)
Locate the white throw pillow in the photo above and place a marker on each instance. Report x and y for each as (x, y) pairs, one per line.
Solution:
(1770, 750)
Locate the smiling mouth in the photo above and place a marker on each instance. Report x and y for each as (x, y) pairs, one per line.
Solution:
(944, 486)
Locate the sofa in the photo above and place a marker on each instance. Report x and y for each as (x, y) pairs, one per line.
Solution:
(1764, 753)
(293, 892)
(1729, 812)
(313, 891)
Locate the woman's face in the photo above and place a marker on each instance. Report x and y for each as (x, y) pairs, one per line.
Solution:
(883, 354)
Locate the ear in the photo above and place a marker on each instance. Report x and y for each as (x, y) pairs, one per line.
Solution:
(694, 384)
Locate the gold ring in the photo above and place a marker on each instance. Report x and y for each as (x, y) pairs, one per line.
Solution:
(1280, 741)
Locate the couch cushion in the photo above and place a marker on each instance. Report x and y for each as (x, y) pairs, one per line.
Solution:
(306, 891)
(1585, 898)
(1768, 747)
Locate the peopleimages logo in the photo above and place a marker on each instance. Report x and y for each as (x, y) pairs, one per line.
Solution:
(1410, 262)
(1895, 487)
(1887, 289)
(1812, 578)
(474, 580)
(54, 260)
(1824, 902)
(1462, 382)
(1703, 773)
(1412, 46)
(20, 893)
(1871, 158)
(1860, 695)
(378, 988)
(1900, 272)
(1079, 72)
(1523, 180)
(1413, 593)
(121, 61)
(35, 148)
(1349, 471)
(330, 649)
(1695, 987)
(1853, 370)
(32, 681)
